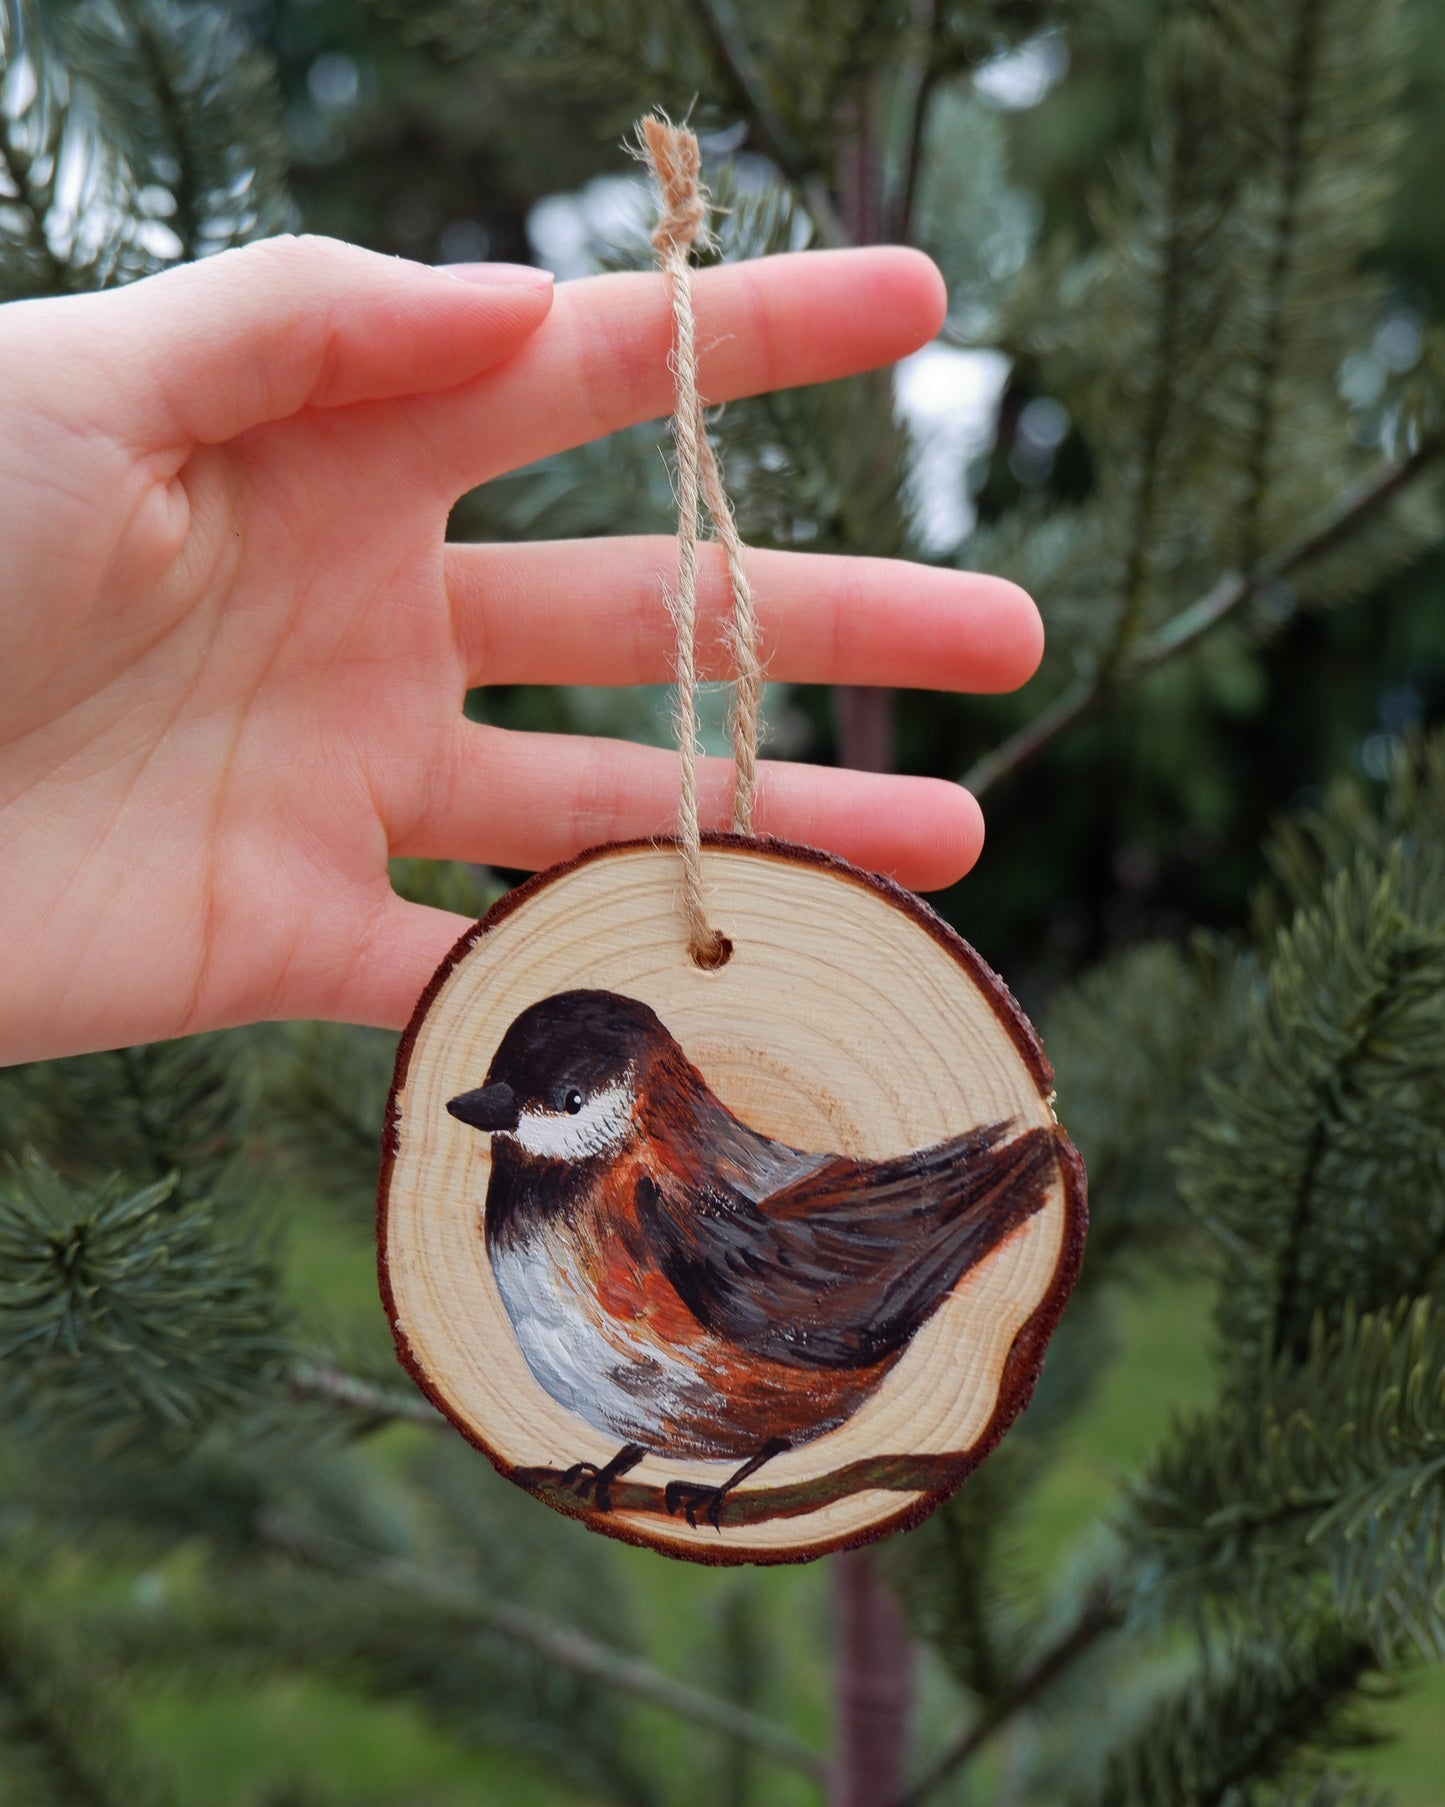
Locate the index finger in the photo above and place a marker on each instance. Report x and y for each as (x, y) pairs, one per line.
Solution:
(601, 361)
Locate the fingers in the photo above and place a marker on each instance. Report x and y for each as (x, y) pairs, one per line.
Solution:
(593, 612)
(255, 334)
(601, 361)
(529, 800)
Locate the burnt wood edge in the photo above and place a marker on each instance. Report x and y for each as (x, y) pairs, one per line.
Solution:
(1020, 1372)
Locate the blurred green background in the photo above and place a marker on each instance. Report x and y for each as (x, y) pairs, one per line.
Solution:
(255, 1667)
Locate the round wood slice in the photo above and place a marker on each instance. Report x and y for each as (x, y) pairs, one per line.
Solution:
(849, 1021)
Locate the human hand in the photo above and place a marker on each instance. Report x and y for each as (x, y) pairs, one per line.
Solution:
(234, 648)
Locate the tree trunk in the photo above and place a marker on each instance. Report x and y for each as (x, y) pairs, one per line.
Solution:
(874, 1679)
(864, 720)
(864, 717)
(875, 1685)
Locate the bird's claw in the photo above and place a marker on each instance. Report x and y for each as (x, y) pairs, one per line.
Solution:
(586, 1479)
(689, 1499)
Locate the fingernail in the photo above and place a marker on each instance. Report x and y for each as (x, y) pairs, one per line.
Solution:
(499, 276)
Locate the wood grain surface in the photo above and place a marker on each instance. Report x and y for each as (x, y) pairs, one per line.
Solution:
(849, 1020)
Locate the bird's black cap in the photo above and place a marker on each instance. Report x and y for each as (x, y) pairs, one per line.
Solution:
(582, 1038)
(491, 1107)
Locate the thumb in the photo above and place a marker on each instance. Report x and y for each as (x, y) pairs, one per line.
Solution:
(257, 333)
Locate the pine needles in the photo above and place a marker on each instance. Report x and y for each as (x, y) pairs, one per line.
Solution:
(1332, 1470)
(1225, 1736)
(124, 1312)
(131, 135)
(60, 1740)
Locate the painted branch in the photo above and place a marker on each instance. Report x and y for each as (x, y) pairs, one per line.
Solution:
(762, 1505)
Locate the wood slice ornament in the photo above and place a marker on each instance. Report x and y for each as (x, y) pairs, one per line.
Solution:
(736, 1229)
(812, 1206)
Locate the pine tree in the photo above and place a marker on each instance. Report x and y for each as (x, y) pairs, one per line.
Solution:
(1259, 1092)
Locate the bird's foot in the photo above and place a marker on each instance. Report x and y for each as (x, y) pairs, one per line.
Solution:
(587, 1479)
(690, 1497)
(581, 1478)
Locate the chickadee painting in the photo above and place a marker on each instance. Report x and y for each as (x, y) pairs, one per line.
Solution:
(691, 1287)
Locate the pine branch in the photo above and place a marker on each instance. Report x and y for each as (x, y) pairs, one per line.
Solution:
(324, 1092)
(1163, 397)
(206, 156)
(1369, 1017)
(121, 1312)
(1257, 1715)
(948, 1574)
(1130, 1043)
(735, 62)
(30, 195)
(33, 205)
(571, 1648)
(1334, 1791)
(1293, 169)
(1220, 603)
(1318, 1161)
(1269, 196)
(333, 1617)
(60, 1745)
(164, 1108)
(377, 1404)
(1307, 851)
(1099, 1615)
(1331, 1468)
(1356, 510)
(926, 81)
(177, 124)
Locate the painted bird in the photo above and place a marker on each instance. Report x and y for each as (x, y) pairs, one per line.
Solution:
(690, 1286)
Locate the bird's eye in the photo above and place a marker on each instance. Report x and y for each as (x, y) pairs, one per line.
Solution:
(572, 1101)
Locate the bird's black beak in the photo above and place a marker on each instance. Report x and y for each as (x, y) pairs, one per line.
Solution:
(490, 1107)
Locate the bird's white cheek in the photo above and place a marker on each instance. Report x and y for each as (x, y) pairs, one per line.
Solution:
(600, 1127)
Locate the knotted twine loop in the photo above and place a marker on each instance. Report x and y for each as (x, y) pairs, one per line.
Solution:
(676, 163)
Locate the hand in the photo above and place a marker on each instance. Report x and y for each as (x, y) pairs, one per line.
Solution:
(234, 648)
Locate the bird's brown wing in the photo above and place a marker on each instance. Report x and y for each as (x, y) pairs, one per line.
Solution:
(839, 1265)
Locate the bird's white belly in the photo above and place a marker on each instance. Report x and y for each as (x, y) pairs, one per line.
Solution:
(613, 1378)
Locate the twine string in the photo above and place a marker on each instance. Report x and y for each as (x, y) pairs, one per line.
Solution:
(676, 163)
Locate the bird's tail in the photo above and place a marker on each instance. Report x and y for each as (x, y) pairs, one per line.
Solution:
(1000, 1185)
(952, 1206)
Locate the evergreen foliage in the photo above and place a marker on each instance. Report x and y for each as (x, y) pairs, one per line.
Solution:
(1331, 1470)
(1190, 249)
(1334, 1107)
(123, 1311)
(175, 1111)
(1129, 1043)
(133, 133)
(1228, 1735)
(59, 1740)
